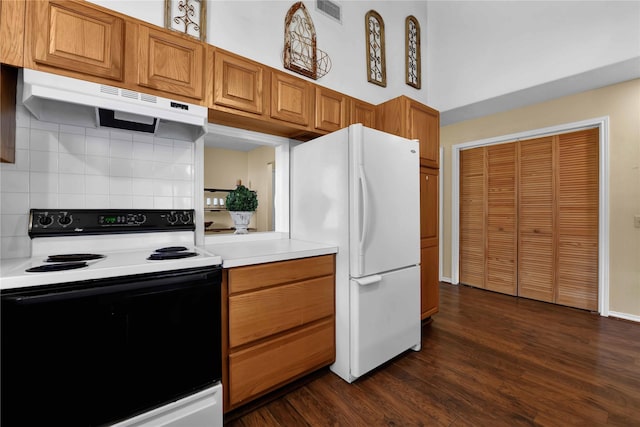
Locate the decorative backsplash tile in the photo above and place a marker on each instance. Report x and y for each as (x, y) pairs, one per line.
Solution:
(60, 166)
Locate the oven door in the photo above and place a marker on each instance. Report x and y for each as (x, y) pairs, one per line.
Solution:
(96, 352)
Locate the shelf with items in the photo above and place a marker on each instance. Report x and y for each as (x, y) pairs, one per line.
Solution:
(215, 204)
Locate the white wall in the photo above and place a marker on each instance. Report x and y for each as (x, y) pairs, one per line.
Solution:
(255, 29)
(482, 49)
(471, 50)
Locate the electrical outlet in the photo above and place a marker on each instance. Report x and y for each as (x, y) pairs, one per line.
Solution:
(636, 221)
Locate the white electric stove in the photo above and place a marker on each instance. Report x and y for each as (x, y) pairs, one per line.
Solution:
(128, 312)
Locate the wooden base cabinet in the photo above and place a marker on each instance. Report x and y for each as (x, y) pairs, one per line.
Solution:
(280, 325)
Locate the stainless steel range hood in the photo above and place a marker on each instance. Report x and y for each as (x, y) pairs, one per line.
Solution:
(60, 99)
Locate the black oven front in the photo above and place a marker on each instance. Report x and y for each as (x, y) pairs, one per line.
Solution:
(96, 352)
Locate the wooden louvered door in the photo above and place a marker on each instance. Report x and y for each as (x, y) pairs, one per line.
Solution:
(472, 217)
(502, 219)
(529, 218)
(577, 216)
(536, 253)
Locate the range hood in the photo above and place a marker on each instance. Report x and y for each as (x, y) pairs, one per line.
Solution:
(60, 99)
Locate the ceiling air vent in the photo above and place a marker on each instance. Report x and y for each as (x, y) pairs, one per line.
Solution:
(330, 8)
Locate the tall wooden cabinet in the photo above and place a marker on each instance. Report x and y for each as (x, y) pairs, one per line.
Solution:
(411, 119)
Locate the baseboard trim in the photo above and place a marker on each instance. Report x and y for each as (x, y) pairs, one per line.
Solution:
(624, 316)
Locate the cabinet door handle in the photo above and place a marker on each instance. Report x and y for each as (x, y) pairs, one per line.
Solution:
(426, 177)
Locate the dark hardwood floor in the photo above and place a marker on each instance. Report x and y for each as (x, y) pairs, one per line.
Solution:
(487, 360)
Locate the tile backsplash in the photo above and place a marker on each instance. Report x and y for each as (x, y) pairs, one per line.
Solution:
(62, 166)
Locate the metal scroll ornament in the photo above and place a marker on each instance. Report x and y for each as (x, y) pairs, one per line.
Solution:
(412, 53)
(187, 16)
(376, 62)
(300, 51)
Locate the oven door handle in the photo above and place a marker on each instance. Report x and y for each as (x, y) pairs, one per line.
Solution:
(174, 281)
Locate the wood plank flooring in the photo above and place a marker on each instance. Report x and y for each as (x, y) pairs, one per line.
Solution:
(487, 359)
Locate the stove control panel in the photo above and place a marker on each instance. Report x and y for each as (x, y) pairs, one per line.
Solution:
(65, 222)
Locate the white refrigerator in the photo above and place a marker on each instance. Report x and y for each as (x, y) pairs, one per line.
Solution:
(359, 189)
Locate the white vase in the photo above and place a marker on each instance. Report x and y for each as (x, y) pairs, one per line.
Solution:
(241, 220)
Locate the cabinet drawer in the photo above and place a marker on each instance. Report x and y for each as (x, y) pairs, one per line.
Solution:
(262, 367)
(251, 277)
(256, 315)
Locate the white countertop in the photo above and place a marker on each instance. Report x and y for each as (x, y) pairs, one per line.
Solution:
(239, 253)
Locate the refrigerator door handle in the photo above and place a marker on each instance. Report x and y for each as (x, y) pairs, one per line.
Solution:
(369, 280)
(365, 213)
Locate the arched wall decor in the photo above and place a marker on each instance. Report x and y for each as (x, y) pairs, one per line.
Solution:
(186, 16)
(301, 53)
(376, 61)
(412, 52)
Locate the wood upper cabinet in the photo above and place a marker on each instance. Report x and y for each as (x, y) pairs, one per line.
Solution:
(362, 112)
(74, 36)
(239, 83)
(331, 109)
(12, 15)
(410, 119)
(291, 99)
(170, 62)
(280, 325)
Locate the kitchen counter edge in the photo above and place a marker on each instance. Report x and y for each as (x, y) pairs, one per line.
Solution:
(238, 254)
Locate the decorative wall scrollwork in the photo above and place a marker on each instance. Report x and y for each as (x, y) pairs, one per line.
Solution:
(376, 61)
(301, 53)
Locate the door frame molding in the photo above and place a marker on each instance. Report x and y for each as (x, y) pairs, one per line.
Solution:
(602, 123)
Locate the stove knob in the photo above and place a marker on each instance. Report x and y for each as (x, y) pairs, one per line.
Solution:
(45, 221)
(185, 218)
(172, 218)
(65, 220)
(140, 218)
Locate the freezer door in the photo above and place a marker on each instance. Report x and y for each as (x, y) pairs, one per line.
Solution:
(385, 201)
(384, 317)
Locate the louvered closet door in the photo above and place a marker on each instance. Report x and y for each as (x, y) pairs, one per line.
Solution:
(577, 271)
(472, 217)
(536, 215)
(502, 219)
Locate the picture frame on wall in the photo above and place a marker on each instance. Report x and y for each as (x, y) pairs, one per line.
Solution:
(413, 68)
(187, 16)
(376, 60)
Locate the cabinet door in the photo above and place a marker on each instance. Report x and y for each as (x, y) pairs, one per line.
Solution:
(238, 83)
(362, 112)
(12, 15)
(429, 204)
(424, 124)
(331, 109)
(170, 63)
(429, 281)
(429, 232)
(290, 99)
(76, 37)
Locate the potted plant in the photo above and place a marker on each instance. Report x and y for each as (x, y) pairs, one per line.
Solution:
(241, 203)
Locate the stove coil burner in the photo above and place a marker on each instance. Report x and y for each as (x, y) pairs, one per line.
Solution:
(171, 252)
(57, 267)
(73, 257)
